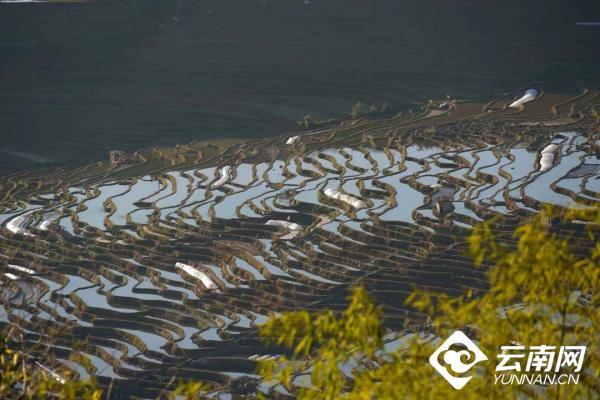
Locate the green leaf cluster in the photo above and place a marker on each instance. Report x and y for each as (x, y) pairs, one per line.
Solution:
(19, 381)
(543, 289)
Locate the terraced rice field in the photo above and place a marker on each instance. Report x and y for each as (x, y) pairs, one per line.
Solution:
(165, 267)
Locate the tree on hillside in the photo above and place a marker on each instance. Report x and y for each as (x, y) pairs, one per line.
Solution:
(543, 290)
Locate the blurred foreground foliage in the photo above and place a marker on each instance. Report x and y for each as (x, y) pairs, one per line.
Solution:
(23, 378)
(19, 380)
(543, 290)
